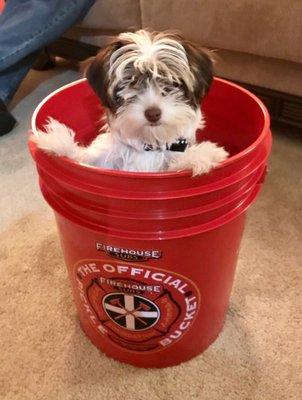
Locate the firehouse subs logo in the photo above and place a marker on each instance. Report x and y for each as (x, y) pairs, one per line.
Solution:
(137, 307)
(128, 254)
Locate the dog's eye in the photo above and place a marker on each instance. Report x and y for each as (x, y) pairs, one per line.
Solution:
(170, 88)
(166, 90)
(117, 98)
(134, 81)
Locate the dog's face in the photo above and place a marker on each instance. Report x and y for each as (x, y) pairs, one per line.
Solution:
(152, 85)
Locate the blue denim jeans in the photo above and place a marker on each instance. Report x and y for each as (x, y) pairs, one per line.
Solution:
(26, 26)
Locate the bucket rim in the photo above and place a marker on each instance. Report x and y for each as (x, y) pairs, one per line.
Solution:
(175, 214)
(162, 235)
(153, 175)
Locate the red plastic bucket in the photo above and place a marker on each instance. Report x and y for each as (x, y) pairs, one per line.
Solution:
(151, 257)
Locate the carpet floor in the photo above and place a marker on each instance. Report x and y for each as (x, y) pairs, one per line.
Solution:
(45, 355)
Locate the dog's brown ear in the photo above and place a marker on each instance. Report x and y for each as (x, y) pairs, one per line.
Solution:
(201, 63)
(96, 71)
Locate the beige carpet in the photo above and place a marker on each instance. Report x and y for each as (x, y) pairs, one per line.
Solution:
(44, 354)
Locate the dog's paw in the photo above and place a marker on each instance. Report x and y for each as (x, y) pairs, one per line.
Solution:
(200, 158)
(57, 139)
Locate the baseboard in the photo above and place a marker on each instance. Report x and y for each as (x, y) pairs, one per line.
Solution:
(283, 107)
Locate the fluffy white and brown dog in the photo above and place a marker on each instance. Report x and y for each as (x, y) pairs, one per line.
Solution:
(151, 85)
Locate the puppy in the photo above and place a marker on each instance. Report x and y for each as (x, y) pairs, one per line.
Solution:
(151, 85)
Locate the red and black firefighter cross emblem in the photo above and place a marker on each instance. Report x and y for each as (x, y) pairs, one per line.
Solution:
(131, 311)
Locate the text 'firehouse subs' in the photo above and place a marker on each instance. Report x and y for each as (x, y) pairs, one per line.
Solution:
(138, 279)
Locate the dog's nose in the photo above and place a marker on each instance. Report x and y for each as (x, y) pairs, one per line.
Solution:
(153, 114)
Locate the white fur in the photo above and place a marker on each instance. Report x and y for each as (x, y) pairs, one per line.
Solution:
(200, 158)
(57, 139)
(161, 56)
